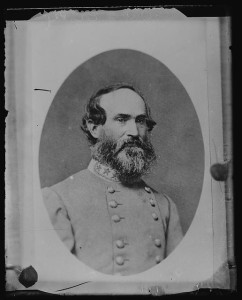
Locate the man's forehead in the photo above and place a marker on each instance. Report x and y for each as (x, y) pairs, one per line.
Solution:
(123, 101)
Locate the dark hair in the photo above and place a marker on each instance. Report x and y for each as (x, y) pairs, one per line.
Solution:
(97, 114)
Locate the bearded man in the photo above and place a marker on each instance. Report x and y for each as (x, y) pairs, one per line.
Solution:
(106, 215)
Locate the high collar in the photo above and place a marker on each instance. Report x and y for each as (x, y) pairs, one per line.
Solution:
(102, 171)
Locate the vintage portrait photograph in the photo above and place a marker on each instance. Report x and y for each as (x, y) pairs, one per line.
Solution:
(119, 120)
(96, 147)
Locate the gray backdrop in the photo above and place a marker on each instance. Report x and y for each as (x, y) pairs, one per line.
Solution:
(177, 137)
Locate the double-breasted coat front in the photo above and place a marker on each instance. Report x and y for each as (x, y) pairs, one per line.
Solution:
(111, 227)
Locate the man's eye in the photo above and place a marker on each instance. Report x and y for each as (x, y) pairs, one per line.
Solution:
(141, 121)
(121, 120)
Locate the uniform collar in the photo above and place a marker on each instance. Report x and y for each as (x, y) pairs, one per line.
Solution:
(102, 171)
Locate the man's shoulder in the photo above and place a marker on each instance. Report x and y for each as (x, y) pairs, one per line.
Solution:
(75, 191)
(82, 179)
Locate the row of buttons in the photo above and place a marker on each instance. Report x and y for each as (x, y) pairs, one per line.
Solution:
(114, 204)
(119, 243)
(120, 260)
(152, 203)
(111, 190)
(116, 218)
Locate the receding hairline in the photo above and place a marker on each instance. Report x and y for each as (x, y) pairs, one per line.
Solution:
(108, 94)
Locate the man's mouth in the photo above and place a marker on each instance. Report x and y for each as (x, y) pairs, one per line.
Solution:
(130, 145)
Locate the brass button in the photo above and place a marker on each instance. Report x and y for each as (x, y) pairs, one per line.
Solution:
(158, 259)
(157, 242)
(148, 190)
(154, 216)
(152, 202)
(111, 189)
(113, 204)
(119, 260)
(116, 218)
(120, 244)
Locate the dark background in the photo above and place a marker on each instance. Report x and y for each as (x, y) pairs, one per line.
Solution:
(177, 137)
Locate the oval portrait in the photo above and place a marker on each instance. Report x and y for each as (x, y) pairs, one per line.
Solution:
(121, 162)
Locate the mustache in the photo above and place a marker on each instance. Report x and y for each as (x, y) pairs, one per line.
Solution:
(130, 142)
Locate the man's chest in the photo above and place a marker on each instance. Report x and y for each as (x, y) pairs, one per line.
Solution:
(121, 225)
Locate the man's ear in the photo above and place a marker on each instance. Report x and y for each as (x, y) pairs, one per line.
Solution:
(94, 129)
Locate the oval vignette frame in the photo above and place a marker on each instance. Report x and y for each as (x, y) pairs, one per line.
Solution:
(177, 137)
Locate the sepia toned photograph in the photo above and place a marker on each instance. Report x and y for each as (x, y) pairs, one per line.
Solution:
(120, 128)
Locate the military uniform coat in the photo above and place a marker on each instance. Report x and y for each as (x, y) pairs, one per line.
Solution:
(113, 228)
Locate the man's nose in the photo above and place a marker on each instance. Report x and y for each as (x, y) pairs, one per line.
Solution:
(132, 128)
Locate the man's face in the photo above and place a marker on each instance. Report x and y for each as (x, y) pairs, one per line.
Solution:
(123, 142)
(125, 114)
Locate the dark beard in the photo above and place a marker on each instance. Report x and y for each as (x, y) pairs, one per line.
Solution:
(130, 159)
